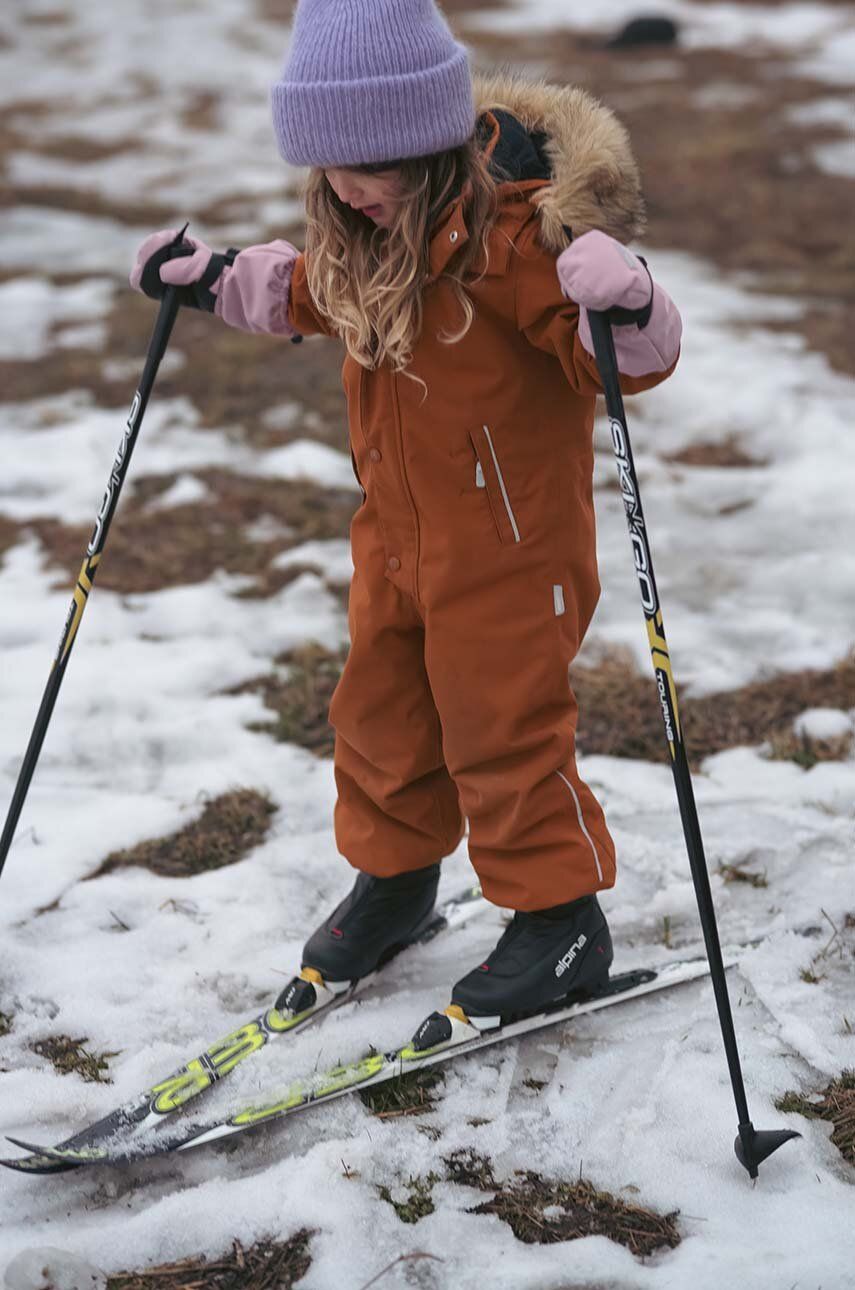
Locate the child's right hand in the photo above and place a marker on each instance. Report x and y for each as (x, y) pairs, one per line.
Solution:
(193, 266)
(249, 289)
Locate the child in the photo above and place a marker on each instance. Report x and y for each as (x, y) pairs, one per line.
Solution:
(436, 249)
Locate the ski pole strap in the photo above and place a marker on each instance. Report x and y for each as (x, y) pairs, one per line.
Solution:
(197, 295)
(619, 317)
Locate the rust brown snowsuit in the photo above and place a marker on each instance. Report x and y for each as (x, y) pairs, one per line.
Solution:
(475, 574)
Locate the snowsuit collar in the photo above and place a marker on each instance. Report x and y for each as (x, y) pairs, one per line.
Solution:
(560, 149)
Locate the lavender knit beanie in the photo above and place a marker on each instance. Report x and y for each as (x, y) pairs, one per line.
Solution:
(371, 80)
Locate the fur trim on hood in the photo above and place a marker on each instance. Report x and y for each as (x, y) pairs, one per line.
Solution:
(594, 180)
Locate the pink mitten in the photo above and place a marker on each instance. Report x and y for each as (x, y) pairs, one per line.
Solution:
(177, 273)
(598, 273)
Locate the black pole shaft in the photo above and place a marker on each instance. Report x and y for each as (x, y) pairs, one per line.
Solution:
(157, 347)
(604, 352)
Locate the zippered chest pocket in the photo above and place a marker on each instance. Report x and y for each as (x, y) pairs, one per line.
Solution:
(489, 477)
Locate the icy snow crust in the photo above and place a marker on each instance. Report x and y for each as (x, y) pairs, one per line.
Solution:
(756, 574)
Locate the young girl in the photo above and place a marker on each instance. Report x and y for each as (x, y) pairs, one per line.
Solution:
(438, 224)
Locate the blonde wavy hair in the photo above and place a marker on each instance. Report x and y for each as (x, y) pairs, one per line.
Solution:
(368, 281)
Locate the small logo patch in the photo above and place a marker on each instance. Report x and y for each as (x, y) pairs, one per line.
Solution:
(566, 959)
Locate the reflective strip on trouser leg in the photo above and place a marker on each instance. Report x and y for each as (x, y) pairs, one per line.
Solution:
(581, 820)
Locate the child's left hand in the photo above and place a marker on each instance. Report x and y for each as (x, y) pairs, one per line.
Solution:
(599, 273)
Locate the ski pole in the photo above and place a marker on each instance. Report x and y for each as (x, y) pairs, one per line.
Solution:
(157, 347)
(752, 1145)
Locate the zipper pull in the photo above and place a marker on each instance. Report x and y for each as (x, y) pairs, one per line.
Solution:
(479, 476)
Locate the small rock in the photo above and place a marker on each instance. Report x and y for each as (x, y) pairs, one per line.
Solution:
(650, 30)
(51, 1269)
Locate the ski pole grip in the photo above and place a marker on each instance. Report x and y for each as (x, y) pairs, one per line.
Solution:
(150, 280)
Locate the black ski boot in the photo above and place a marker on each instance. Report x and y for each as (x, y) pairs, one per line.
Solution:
(540, 958)
(377, 919)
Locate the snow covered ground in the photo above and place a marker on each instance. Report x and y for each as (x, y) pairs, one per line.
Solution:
(756, 569)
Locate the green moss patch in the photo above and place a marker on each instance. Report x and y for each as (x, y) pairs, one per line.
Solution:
(418, 1201)
(835, 1103)
(619, 712)
(229, 827)
(69, 1056)
(269, 1265)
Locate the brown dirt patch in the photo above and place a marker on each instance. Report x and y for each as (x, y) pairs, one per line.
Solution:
(149, 549)
(229, 828)
(728, 453)
(68, 1056)
(619, 712)
(836, 1104)
(47, 18)
(573, 1209)
(10, 533)
(269, 1265)
(301, 702)
(88, 202)
(231, 378)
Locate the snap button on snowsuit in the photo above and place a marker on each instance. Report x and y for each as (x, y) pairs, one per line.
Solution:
(454, 702)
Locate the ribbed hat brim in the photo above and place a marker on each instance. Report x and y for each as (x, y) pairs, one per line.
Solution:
(352, 123)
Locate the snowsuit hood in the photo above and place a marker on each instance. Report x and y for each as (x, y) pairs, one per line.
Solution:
(571, 150)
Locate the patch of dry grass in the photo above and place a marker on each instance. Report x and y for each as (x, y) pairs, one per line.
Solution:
(540, 1211)
(229, 828)
(68, 1056)
(410, 1094)
(268, 1265)
(806, 750)
(301, 702)
(150, 548)
(836, 1104)
(619, 712)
